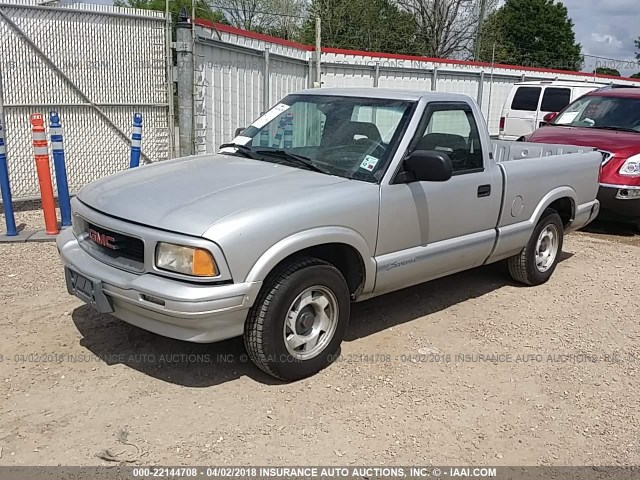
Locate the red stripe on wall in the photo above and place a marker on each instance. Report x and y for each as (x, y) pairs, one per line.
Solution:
(340, 51)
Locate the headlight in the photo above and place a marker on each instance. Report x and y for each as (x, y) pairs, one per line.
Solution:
(186, 260)
(631, 167)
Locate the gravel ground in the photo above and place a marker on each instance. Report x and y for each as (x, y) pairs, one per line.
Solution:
(557, 382)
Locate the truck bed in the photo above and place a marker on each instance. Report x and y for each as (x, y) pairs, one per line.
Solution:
(544, 172)
(505, 151)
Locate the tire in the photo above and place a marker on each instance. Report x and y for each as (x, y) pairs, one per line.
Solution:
(524, 267)
(299, 290)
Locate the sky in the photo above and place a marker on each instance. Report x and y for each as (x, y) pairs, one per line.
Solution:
(607, 28)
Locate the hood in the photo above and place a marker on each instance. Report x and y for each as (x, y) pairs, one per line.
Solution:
(189, 195)
(621, 144)
(607, 140)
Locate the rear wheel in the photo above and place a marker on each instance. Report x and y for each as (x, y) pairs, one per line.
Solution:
(298, 321)
(536, 263)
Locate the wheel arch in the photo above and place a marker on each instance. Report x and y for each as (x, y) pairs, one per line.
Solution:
(562, 200)
(513, 237)
(566, 208)
(344, 248)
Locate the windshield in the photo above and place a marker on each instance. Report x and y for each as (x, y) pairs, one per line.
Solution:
(617, 113)
(345, 136)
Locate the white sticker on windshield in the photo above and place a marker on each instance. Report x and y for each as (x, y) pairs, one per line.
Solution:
(369, 163)
(567, 118)
(270, 115)
(241, 140)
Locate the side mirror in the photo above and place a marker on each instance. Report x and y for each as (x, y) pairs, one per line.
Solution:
(239, 131)
(550, 117)
(429, 166)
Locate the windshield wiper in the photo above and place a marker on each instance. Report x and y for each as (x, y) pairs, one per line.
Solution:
(242, 149)
(619, 129)
(307, 162)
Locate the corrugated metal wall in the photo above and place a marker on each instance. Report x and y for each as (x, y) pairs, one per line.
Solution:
(231, 89)
(231, 81)
(96, 65)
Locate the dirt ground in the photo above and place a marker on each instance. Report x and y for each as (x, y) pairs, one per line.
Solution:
(470, 369)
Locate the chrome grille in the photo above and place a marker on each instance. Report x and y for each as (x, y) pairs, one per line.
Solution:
(110, 246)
(123, 245)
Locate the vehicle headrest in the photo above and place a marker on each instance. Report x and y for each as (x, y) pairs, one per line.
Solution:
(365, 129)
(442, 141)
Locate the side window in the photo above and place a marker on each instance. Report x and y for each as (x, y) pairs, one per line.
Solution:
(555, 99)
(526, 99)
(453, 130)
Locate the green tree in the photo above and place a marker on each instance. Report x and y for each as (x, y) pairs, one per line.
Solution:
(371, 25)
(536, 33)
(607, 71)
(635, 75)
(203, 9)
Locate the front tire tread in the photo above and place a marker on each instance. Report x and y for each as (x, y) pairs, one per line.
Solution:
(255, 323)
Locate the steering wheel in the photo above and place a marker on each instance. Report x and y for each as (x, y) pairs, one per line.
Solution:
(371, 143)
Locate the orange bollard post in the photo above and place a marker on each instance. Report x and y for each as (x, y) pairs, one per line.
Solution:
(44, 174)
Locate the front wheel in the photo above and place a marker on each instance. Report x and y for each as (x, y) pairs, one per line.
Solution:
(299, 319)
(535, 264)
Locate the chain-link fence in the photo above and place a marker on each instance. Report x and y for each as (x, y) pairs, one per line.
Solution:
(96, 65)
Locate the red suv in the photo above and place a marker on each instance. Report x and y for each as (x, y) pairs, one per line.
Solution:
(608, 119)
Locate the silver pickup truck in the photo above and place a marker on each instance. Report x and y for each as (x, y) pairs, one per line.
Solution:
(332, 196)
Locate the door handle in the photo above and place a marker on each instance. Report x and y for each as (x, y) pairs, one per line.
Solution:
(484, 191)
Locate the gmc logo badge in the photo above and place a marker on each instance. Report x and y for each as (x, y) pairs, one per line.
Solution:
(102, 239)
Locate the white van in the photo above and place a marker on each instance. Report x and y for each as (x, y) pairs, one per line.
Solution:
(529, 102)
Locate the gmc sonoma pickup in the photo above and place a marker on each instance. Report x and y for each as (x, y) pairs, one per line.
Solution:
(332, 196)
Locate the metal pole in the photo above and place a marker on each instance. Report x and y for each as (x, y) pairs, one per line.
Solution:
(193, 79)
(5, 186)
(493, 59)
(376, 74)
(476, 52)
(171, 114)
(480, 89)
(266, 82)
(310, 76)
(184, 49)
(318, 52)
(288, 131)
(434, 79)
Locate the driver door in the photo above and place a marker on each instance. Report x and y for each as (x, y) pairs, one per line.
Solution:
(432, 229)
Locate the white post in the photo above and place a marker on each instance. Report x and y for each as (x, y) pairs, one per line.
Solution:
(318, 53)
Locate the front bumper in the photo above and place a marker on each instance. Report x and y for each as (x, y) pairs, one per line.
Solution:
(614, 205)
(172, 308)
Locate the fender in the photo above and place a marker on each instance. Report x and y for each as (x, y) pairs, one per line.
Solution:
(552, 196)
(311, 238)
(512, 238)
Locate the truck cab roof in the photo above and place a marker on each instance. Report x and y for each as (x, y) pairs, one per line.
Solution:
(387, 93)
